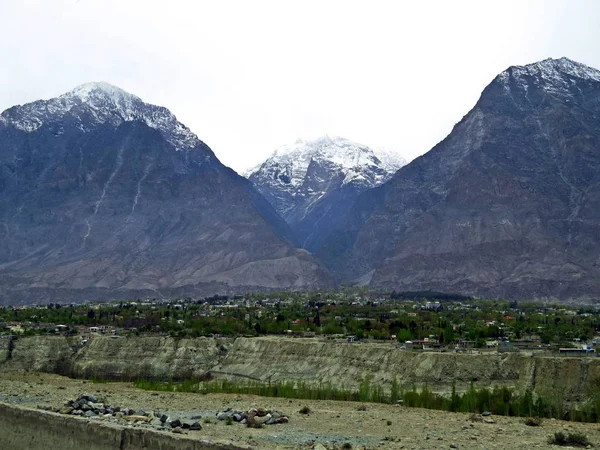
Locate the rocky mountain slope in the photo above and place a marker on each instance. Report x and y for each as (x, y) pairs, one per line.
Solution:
(313, 184)
(105, 196)
(508, 205)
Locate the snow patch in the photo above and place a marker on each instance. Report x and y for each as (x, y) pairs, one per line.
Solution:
(97, 103)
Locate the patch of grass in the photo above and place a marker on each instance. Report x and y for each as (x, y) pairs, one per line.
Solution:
(229, 421)
(362, 408)
(574, 439)
(305, 410)
(498, 400)
(207, 420)
(389, 423)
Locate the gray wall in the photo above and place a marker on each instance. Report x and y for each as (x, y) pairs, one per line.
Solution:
(29, 429)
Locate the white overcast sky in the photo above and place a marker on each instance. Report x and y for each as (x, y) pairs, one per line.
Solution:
(248, 76)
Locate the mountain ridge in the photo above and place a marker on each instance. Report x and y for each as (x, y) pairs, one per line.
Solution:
(96, 200)
(500, 207)
(312, 183)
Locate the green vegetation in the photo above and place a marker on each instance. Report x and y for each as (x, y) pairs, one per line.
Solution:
(574, 439)
(442, 321)
(499, 401)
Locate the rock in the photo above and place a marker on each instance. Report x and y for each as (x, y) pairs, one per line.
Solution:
(236, 417)
(319, 447)
(164, 418)
(486, 413)
(136, 418)
(90, 414)
(488, 420)
(260, 412)
(119, 415)
(66, 410)
(196, 417)
(178, 430)
(259, 420)
(282, 419)
(195, 426)
(175, 423)
(453, 445)
(88, 398)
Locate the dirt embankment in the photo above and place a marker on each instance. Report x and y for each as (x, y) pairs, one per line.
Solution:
(310, 360)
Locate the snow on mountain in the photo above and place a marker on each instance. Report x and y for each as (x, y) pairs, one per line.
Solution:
(359, 164)
(313, 184)
(97, 103)
(555, 76)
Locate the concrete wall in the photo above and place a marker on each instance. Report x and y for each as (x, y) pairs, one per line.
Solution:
(30, 429)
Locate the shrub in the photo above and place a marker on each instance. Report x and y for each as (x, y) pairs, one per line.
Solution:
(572, 439)
(559, 438)
(305, 410)
(533, 421)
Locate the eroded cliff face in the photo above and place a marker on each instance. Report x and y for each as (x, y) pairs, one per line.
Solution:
(160, 358)
(309, 360)
(348, 364)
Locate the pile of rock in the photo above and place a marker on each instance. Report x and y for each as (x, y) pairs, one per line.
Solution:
(253, 417)
(484, 417)
(91, 407)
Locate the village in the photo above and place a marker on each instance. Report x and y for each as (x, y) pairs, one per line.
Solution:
(419, 322)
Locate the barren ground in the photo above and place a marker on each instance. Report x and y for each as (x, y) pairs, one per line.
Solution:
(331, 424)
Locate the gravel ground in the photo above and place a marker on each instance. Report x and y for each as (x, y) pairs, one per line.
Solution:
(333, 425)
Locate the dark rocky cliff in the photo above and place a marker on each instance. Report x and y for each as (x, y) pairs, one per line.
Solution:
(508, 205)
(104, 196)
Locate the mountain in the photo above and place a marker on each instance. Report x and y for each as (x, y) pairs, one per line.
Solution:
(508, 205)
(313, 184)
(106, 196)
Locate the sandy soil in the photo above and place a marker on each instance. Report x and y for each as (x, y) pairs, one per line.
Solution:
(330, 424)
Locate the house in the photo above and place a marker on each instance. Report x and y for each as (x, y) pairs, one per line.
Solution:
(433, 306)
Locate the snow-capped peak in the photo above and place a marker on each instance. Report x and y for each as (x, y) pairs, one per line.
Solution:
(359, 164)
(96, 88)
(96, 103)
(556, 76)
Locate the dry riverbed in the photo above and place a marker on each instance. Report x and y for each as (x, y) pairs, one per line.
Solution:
(329, 425)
